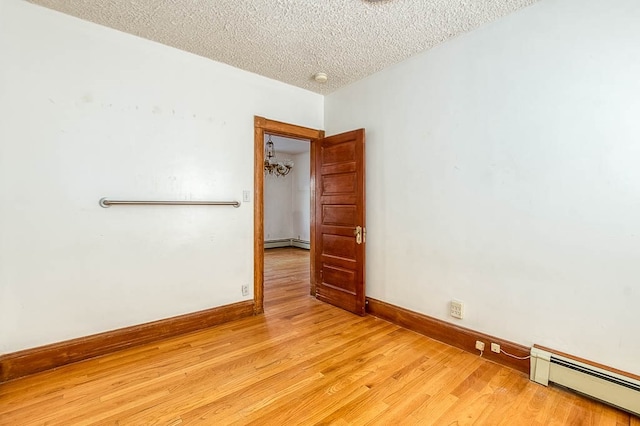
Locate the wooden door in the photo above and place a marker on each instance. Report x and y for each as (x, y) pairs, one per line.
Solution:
(340, 221)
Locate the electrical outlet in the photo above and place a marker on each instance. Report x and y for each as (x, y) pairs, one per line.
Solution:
(479, 345)
(245, 290)
(495, 348)
(457, 309)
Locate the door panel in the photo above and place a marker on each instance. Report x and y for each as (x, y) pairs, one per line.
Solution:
(339, 246)
(340, 212)
(339, 154)
(339, 215)
(340, 277)
(343, 183)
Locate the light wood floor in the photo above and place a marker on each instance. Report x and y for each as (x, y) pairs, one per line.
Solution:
(303, 362)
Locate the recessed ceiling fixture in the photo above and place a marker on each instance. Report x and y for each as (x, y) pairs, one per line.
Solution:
(320, 77)
(272, 165)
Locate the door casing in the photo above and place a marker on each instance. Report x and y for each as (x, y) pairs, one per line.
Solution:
(261, 126)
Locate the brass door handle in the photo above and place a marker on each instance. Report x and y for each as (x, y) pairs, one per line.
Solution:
(358, 233)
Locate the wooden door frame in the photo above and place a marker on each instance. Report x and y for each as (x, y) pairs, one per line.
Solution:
(261, 126)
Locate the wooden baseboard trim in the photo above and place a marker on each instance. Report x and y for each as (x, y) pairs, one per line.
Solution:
(34, 360)
(451, 334)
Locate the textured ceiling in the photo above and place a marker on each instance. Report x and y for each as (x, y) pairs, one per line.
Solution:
(291, 40)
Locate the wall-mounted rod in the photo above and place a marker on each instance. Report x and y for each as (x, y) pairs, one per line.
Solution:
(105, 202)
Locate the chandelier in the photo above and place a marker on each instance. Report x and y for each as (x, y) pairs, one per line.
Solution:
(273, 166)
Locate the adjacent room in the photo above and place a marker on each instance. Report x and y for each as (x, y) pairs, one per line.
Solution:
(338, 212)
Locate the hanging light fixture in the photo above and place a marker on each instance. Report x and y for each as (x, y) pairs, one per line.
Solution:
(272, 165)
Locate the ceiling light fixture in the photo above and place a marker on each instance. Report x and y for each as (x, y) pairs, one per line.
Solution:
(320, 77)
(273, 166)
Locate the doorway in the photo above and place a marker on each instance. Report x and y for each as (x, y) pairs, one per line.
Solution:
(264, 126)
(287, 193)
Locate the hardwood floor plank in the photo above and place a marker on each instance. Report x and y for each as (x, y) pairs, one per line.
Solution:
(302, 362)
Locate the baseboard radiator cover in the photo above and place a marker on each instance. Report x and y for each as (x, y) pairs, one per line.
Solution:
(287, 242)
(609, 387)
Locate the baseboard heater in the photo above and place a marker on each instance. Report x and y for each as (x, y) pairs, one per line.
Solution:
(287, 242)
(609, 387)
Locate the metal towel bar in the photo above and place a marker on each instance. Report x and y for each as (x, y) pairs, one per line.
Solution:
(105, 202)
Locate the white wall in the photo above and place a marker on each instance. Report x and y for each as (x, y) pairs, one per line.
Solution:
(301, 192)
(278, 202)
(88, 112)
(503, 170)
(287, 201)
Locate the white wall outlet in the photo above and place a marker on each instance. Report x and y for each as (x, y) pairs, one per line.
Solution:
(495, 348)
(246, 196)
(457, 309)
(245, 290)
(479, 345)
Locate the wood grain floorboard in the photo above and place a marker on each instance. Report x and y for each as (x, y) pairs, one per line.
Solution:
(302, 362)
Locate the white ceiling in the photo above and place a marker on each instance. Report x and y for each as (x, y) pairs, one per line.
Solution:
(291, 40)
(284, 145)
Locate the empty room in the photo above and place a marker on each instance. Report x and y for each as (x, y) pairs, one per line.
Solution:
(337, 212)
